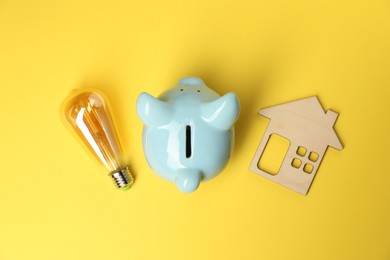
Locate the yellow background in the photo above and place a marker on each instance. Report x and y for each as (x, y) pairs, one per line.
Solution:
(55, 201)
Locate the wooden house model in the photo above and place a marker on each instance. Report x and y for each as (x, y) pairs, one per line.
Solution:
(309, 130)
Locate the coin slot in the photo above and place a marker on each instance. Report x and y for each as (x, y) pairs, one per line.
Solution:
(188, 141)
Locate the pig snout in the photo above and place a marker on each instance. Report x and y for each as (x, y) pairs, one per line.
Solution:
(188, 180)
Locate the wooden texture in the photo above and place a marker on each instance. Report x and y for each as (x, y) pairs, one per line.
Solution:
(305, 124)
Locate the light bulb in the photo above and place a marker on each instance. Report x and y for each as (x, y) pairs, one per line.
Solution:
(86, 114)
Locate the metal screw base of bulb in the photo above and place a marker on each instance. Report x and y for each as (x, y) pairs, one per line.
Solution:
(122, 178)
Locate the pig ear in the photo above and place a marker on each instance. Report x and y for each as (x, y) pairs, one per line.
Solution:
(221, 113)
(153, 111)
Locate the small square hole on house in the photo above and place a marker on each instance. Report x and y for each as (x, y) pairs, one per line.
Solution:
(301, 151)
(308, 168)
(296, 163)
(313, 156)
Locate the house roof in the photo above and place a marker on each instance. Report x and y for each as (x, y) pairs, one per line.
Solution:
(306, 111)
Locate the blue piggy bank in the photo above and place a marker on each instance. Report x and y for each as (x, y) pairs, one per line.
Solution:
(188, 132)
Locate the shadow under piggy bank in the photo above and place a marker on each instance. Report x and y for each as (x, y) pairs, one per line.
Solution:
(188, 132)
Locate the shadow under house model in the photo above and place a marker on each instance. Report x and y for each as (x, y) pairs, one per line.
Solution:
(310, 132)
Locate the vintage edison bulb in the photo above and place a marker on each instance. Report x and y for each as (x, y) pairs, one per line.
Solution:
(86, 114)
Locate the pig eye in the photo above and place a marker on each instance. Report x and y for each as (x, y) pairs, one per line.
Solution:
(198, 90)
(181, 89)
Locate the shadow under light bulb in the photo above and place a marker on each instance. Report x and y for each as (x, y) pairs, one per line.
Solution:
(86, 114)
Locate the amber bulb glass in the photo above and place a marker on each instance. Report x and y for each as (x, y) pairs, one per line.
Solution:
(87, 115)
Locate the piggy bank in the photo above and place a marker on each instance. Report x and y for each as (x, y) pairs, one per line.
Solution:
(188, 132)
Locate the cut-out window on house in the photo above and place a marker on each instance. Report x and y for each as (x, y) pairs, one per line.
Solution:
(313, 156)
(301, 151)
(308, 168)
(273, 155)
(296, 163)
